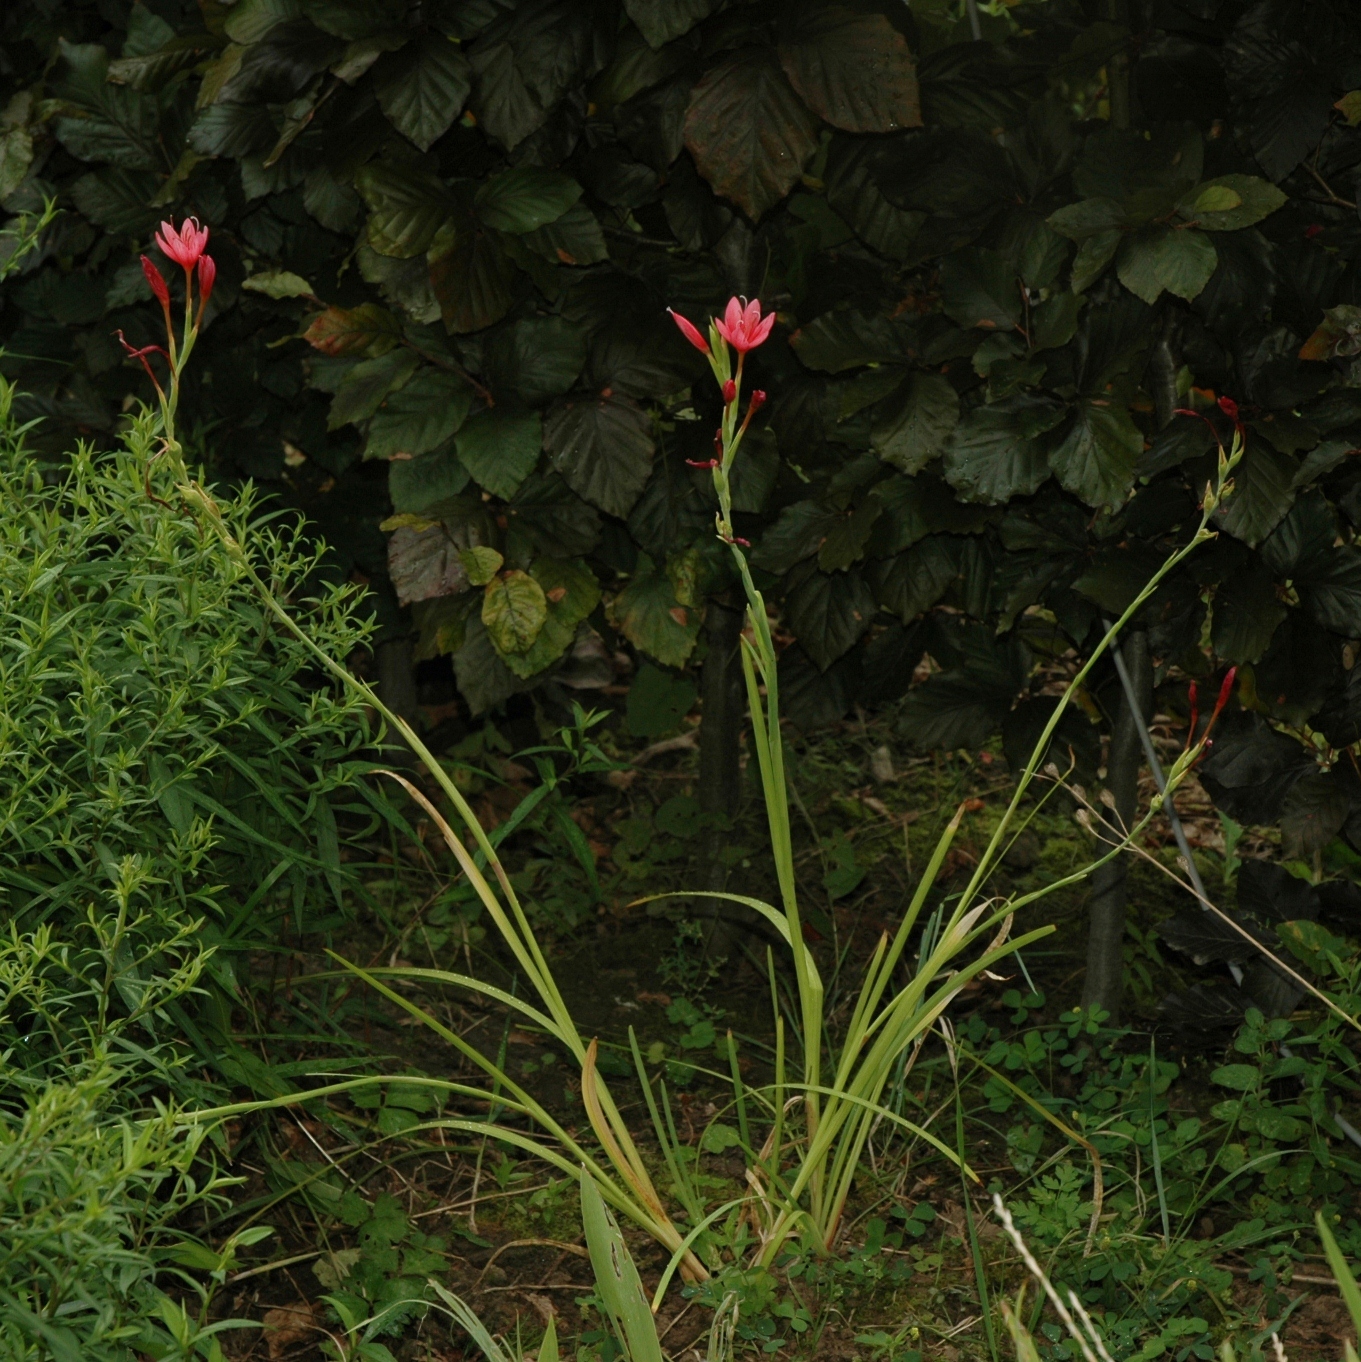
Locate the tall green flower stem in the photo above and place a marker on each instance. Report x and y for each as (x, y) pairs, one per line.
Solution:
(838, 1117)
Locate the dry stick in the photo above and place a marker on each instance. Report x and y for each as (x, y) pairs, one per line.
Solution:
(1237, 927)
(1169, 808)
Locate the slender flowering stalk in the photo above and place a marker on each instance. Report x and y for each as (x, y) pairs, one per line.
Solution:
(186, 246)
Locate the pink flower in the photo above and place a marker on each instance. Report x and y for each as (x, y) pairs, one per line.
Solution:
(157, 281)
(186, 246)
(744, 328)
(207, 273)
(690, 331)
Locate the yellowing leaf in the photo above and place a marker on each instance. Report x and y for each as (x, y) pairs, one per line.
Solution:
(514, 610)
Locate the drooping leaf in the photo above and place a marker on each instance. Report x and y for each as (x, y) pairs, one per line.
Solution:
(648, 614)
(603, 448)
(525, 199)
(829, 612)
(1180, 260)
(916, 422)
(484, 680)
(423, 413)
(500, 448)
(1093, 257)
(748, 132)
(514, 609)
(1097, 458)
(422, 88)
(250, 20)
(854, 70)
(278, 284)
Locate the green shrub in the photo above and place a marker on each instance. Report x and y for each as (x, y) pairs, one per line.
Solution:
(171, 762)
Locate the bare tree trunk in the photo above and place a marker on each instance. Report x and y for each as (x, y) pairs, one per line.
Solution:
(720, 749)
(1104, 984)
(397, 688)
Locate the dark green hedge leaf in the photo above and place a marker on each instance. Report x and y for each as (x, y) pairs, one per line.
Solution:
(1097, 457)
(365, 386)
(1263, 491)
(995, 454)
(415, 485)
(1247, 611)
(979, 288)
(407, 207)
(748, 132)
(528, 57)
(470, 275)
(1231, 202)
(1180, 260)
(423, 413)
(574, 238)
(829, 612)
(913, 426)
(854, 70)
(571, 592)
(797, 534)
(423, 87)
(119, 200)
(525, 199)
(500, 448)
(232, 130)
(845, 339)
(603, 448)
(912, 582)
(660, 21)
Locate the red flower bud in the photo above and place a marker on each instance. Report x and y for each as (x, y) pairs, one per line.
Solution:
(1225, 690)
(730, 391)
(207, 273)
(158, 285)
(1312, 230)
(758, 400)
(1229, 407)
(704, 463)
(690, 331)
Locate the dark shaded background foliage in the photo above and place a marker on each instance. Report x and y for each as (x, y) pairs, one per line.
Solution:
(447, 233)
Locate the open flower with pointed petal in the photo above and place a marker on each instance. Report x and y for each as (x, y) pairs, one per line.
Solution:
(184, 246)
(743, 327)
